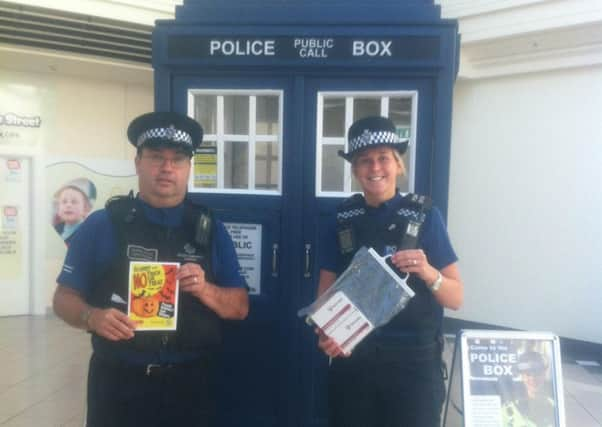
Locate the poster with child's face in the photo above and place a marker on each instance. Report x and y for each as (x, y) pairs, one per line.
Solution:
(71, 204)
(75, 188)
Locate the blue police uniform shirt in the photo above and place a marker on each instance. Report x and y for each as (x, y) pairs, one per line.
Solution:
(433, 239)
(93, 247)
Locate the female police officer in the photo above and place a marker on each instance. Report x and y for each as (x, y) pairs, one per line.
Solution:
(393, 377)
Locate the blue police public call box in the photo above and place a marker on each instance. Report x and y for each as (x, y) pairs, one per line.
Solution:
(275, 85)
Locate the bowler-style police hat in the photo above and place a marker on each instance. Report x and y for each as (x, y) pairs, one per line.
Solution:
(531, 363)
(372, 132)
(165, 129)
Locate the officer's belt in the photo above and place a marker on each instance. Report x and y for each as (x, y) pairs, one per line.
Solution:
(151, 369)
(379, 349)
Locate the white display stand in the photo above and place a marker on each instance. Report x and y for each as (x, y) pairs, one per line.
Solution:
(504, 379)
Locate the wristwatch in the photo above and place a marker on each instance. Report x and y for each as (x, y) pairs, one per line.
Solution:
(434, 287)
(85, 316)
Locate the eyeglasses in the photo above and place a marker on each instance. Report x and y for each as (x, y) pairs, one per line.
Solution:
(178, 161)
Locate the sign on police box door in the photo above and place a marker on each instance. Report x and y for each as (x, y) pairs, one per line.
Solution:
(247, 242)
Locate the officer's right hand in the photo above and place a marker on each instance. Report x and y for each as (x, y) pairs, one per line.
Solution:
(329, 346)
(111, 324)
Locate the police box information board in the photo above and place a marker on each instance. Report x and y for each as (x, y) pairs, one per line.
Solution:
(508, 379)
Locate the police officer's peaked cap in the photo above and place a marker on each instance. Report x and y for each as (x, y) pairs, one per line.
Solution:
(372, 132)
(531, 362)
(165, 129)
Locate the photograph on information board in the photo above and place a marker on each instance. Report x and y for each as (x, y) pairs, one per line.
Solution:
(512, 382)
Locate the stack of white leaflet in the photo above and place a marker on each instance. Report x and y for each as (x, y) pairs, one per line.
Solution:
(365, 296)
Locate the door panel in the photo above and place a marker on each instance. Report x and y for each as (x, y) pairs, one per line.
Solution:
(320, 207)
(254, 349)
(256, 361)
(14, 235)
(272, 373)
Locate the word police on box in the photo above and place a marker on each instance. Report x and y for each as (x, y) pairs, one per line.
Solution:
(303, 48)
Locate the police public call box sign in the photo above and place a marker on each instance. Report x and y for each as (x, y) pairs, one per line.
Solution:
(508, 379)
(303, 47)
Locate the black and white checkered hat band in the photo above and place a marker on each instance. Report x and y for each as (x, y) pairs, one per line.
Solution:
(170, 134)
(368, 138)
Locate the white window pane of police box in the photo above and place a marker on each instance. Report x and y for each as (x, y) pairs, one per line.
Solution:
(241, 150)
(336, 112)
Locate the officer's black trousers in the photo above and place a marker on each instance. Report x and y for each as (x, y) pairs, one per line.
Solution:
(387, 386)
(124, 396)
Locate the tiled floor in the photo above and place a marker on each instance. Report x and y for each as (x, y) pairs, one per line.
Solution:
(43, 365)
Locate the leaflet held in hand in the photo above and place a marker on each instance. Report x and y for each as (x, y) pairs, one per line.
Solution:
(368, 294)
(342, 321)
(153, 295)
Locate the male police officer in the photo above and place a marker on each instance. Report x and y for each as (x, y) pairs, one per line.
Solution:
(152, 378)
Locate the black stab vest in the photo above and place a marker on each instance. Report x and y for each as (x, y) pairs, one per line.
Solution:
(420, 320)
(138, 239)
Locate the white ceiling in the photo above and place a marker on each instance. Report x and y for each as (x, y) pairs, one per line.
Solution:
(499, 37)
(22, 58)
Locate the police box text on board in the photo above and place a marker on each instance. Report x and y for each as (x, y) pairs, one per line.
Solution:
(498, 364)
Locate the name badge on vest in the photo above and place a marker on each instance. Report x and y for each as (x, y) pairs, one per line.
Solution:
(346, 240)
(390, 250)
(188, 253)
(413, 228)
(140, 253)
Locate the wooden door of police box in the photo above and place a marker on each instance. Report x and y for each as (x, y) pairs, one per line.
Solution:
(274, 375)
(248, 171)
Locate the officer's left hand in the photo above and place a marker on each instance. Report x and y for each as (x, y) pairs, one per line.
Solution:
(192, 279)
(414, 261)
